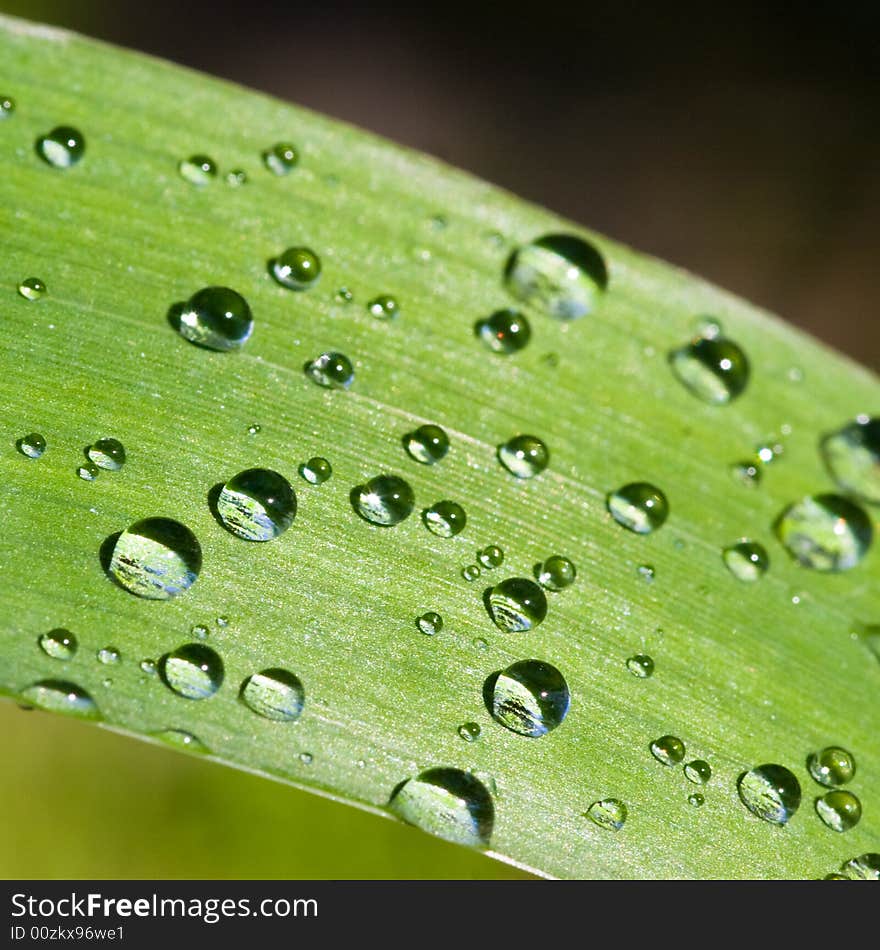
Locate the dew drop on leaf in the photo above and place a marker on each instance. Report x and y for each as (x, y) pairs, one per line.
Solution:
(198, 170)
(108, 454)
(771, 792)
(427, 444)
(471, 572)
(274, 694)
(840, 810)
(193, 671)
(640, 665)
(316, 471)
(156, 558)
(746, 560)
(445, 519)
(216, 318)
(865, 867)
(608, 813)
(236, 178)
(109, 656)
(852, 455)
(7, 107)
(669, 750)
(696, 799)
(60, 644)
(491, 556)
(505, 331)
(831, 766)
(470, 731)
(257, 504)
(61, 696)
(180, 739)
(430, 623)
(825, 532)
(281, 158)
(714, 369)
(331, 370)
(638, 506)
(556, 573)
(32, 445)
(517, 604)
(747, 473)
(524, 456)
(384, 307)
(63, 147)
(88, 472)
(529, 697)
(699, 771)
(385, 500)
(297, 268)
(32, 288)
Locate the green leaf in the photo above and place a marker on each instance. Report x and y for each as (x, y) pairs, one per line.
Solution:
(746, 674)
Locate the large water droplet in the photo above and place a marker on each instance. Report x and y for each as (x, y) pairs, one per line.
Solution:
(866, 867)
(193, 671)
(517, 604)
(63, 147)
(640, 665)
(316, 471)
(257, 504)
(427, 444)
(559, 273)
(825, 532)
(384, 500)
(32, 288)
(297, 268)
(61, 696)
(840, 810)
(156, 558)
(108, 454)
(505, 331)
(330, 370)
(746, 560)
(771, 792)
(556, 573)
(216, 318)
(198, 170)
(832, 766)
(60, 644)
(852, 455)
(714, 369)
(529, 697)
(638, 506)
(669, 750)
(524, 456)
(180, 739)
(448, 803)
(274, 694)
(32, 445)
(281, 158)
(445, 519)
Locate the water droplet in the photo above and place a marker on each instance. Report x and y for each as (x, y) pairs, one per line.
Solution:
(524, 456)
(560, 273)
(840, 810)
(60, 644)
(88, 472)
(825, 532)
(316, 471)
(222, 621)
(384, 500)
(108, 454)
(297, 268)
(156, 558)
(331, 370)
(852, 455)
(669, 750)
(344, 295)
(109, 656)
(254, 429)
(697, 800)
(448, 803)
(193, 671)
(32, 445)
(556, 573)
(257, 504)
(505, 331)
(646, 572)
(699, 772)
(638, 506)
(199, 631)
(608, 813)
(491, 556)
(481, 644)
(471, 572)
(180, 739)
(771, 792)
(714, 369)
(148, 667)
(430, 623)
(427, 444)
(32, 288)
(470, 731)
(216, 318)
(63, 147)
(517, 604)
(7, 106)
(746, 560)
(746, 473)
(281, 158)
(274, 694)
(866, 867)
(198, 170)
(445, 519)
(384, 307)
(61, 696)
(236, 178)
(529, 697)
(640, 665)
(306, 758)
(832, 766)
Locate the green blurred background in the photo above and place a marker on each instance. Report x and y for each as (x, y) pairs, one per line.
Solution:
(740, 141)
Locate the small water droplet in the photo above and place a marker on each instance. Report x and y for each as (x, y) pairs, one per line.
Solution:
(669, 750)
(199, 631)
(344, 295)
(471, 572)
(236, 178)
(193, 671)
(714, 369)
(216, 318)
(60, 644)
(32, 445)
(524, 456)
(825, 532)
(638, 506)
(699, 771)
(32, 288)
(529, 697)
(640, 665)
(430, 623)
(61, 696)
(297, 268)
(257, 504)
(7, 106)
(747, 473)
(646, 572)
(331, 370)
(771, 792)
(254, 429)
(281, 158)
(149, 667)
(427, 444)
(156, 558)
(556, 573)
(180, 739)
(832, 766)
(505, 331)
(491, 556)
(696, 799)
(481, 644)
(445, 519)
(560, 273)
(385, 500)
(109, 656)
(384, 307)
(608, 813)
(88, 472)
(448, 803)
(63, 147)
(746, 560)
(274, 694)
(108, 454)
(470, 731)
(306, 758)
(852, 456)
(866, 867)
(198, 170)
(517, 604)
(222, 621)
(316, 471)
(840, 810)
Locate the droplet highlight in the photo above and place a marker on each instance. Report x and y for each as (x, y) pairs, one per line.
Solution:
(832, 766)
(61, 696)
(281, 158)
(316, 471)
(108, 454)
(669, 750)
(199, 170)
(556, 573)
(32, 445)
